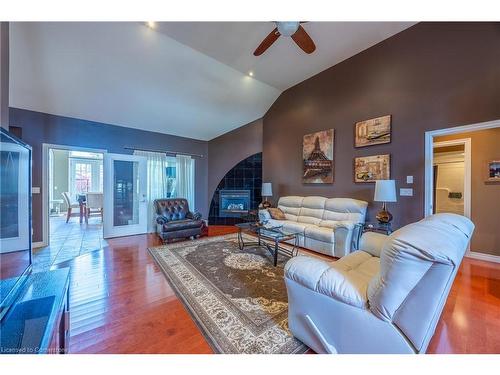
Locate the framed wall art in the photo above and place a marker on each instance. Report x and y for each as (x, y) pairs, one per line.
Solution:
(317, 157)
(371, 132)
(372, 168)
(493, 171)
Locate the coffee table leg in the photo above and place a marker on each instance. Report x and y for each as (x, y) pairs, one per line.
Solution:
(241, 244)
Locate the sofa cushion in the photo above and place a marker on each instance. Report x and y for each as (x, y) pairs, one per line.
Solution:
(293, 226)
(320, 234)
(359, 263)
(312, 210)
(291, 206)
(176, 225)
(345, 209)
(306, 270)
(348, 278)
(345, 280)
(276, 213)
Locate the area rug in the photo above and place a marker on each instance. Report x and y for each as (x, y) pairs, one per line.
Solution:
(236, 297)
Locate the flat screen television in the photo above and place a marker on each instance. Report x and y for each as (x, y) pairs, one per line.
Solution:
(15, 217)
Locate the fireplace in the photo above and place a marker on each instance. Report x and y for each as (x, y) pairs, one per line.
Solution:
(234, 203)
(246, 175)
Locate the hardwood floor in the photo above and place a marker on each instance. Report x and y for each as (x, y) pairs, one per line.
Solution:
(121, 303)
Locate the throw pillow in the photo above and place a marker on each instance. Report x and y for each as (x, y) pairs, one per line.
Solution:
(276, 214)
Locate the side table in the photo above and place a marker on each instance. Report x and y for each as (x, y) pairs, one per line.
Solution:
(370, 227)
(384, 228)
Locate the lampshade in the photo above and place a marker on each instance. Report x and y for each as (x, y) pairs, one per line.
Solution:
(385, 191)
(267, 189)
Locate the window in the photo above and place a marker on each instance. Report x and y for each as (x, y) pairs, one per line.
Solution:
(171, 176)
(83, 177)
(85, 172)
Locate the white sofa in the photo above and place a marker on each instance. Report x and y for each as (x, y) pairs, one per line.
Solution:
(386, 298)
(326, 225)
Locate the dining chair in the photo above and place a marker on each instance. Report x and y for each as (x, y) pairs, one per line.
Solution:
(70, 205)
(94, 202)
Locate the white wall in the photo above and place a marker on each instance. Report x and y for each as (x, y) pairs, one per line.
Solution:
(4, 75)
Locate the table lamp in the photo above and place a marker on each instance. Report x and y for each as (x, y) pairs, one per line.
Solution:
(385, 191)
(267, 191)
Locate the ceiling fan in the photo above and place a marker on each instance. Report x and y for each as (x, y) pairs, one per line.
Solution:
(292, 29)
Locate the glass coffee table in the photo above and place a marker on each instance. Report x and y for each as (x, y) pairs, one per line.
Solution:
(269, 238)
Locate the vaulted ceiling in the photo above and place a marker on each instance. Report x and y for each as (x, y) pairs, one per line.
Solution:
(183, 78)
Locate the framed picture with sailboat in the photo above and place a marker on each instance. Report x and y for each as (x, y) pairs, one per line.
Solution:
(371, 132)
(317, 157)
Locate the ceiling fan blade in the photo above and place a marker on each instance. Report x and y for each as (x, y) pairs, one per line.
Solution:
(303, 40)
(267, 42)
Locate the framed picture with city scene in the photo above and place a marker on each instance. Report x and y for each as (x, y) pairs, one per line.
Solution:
(371, 132)
(372, 168)
(317, 157)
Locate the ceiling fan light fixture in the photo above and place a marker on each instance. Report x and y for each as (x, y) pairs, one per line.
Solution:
(288, 28)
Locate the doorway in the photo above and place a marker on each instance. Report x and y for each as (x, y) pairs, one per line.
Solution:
(72, 176)
(72, 203)
(451, 177)
(459, 154)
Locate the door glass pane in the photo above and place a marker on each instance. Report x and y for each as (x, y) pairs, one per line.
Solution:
(125, 193)
(9, 198)
(171, 176)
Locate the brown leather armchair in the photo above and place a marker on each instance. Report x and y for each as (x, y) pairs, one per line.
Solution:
(174, 220)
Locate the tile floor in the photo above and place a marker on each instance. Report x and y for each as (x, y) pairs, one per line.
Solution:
(68, 240)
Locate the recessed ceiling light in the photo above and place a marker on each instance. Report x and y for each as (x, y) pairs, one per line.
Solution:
(151, 24)
(250, 74)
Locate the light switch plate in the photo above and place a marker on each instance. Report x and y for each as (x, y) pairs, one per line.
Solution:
(35, 190)
(409, 179)
(406, 192)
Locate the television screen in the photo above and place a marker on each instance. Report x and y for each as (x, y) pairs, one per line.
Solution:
(15, 216)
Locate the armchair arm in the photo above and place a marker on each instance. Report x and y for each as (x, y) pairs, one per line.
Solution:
(193, 215)
(160, 219)
(264, 216)
(343, 236)
(326, 279)
(372, 243)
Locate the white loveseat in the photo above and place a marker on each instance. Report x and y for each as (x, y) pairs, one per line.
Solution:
(385, 298)
(326, 225)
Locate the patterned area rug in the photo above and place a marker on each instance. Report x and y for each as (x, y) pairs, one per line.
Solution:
(237, 298)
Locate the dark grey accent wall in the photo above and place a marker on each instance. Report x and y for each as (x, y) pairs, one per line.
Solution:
(39, 128)
(246, 175)
(430, 76)
(227, 150)
(4, 74)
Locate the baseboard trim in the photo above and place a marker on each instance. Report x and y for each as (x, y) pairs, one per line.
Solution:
(482, 256)
(36, 245)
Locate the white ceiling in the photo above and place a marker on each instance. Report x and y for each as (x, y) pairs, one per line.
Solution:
(284, 64)
(183, 78)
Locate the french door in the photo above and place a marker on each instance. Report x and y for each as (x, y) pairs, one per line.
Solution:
(125, 202)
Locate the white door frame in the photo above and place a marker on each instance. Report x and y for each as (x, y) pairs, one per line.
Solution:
(45, 185)
(466, 142)
(429, 162)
